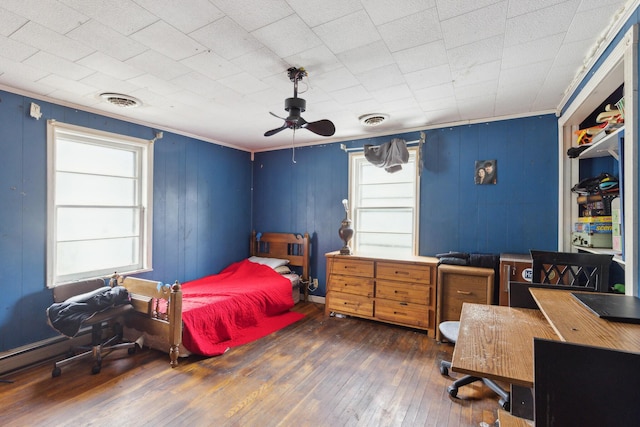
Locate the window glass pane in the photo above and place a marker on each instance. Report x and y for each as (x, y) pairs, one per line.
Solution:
(97, 223)
(96, 255)
(389, 220)
(386, 243)
(386, 195)
(384, 206)
(99, 203)
(95, 159)
(371, 174)
(79, 189)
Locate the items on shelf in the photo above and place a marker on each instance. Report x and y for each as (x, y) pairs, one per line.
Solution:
(608, 121)
(602, 184)
(592, 232)
(594, 227)
(617, 236)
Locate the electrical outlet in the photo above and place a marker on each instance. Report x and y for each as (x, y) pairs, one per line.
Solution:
(315, 283)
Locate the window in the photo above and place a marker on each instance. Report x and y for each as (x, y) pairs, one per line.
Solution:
(384, 206)
(99, 202)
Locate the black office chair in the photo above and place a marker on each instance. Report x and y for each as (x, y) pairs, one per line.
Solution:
(449, 331)
(588, 271)
(90, 303)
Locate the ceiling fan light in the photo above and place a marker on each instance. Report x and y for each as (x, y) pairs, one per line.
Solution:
(373, 119)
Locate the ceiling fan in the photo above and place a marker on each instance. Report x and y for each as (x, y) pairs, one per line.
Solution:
(295, 106)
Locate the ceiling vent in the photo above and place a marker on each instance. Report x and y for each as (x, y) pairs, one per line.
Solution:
(373, 119)
(120, 100)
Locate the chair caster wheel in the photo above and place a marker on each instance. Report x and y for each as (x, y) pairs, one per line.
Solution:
(444, 370)
(96, 369)
(56, 372)
(505, 405)
(453, 391)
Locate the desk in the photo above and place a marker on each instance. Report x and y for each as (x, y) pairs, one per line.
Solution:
(496, 342)
(575, 323)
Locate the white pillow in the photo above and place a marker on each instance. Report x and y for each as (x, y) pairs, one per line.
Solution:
(271, 262)
(283, 269)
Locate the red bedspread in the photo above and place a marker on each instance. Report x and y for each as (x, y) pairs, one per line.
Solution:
(245, 301)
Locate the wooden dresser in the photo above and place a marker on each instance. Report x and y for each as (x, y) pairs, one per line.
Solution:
(393, 290)
(459, 284)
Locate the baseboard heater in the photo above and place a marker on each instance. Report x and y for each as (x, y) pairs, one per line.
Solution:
(41, 351)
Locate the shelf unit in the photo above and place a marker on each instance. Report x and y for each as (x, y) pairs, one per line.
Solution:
(607, 146)
(619, 68)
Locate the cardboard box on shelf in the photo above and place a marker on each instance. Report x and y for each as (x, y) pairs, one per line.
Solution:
(591, 240)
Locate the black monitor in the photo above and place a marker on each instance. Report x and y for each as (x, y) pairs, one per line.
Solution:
(578, 385)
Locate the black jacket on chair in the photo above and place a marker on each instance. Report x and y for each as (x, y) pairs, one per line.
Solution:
(67, 317)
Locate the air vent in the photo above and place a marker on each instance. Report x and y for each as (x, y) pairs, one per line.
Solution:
(120, 100)
(373, 119)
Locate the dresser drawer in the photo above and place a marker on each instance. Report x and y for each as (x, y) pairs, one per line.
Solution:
(405, 313)
(404, 272)
(351, 285)
(404, 292)
(352, 267)
(454, 295)
(350, 304)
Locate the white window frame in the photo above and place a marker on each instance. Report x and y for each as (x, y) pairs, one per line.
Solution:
(356, 160)
(143, 150)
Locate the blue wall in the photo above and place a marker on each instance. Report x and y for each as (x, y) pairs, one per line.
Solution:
(517, 214)
(202, 204)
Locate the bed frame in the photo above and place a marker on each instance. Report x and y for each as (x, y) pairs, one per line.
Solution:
(158, 307)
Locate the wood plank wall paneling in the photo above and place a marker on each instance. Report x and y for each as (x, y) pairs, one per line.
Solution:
(320, 371)
(517, 214)
(202, 209)
(203, 200)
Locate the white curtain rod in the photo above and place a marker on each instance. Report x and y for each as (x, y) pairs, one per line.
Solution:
(344, 148)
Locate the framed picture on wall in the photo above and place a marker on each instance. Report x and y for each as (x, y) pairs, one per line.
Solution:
(486, 172)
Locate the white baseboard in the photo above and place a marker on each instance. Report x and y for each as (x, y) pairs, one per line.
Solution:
(314, 298)
(40, 351)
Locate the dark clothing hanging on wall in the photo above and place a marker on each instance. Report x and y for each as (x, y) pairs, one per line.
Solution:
(390, 155)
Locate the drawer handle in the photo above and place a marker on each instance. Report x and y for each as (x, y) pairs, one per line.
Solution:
(400, 313)
(402, 272)
(400, 292)
(464, 292)
(403, 303)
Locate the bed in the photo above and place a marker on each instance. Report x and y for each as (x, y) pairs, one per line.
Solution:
(208, 315)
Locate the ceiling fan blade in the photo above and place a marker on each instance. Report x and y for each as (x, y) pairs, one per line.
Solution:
(321, 127)
(274, 131)
(275, 115)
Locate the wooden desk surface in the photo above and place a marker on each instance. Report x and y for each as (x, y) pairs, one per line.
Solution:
(575, 323)
(496, 342)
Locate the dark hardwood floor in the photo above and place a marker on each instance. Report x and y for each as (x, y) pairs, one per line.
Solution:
(318, 372)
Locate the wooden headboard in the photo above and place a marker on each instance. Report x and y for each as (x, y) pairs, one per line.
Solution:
(294, 247)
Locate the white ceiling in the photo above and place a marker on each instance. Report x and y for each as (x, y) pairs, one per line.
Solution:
(214, 69)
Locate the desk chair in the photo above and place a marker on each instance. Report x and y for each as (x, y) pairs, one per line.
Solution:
(589, 271)
(449, 331)
(82, 293)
